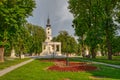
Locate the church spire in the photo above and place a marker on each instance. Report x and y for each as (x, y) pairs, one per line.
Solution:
(48, 22)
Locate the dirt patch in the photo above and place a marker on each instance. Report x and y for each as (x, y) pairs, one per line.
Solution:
(96, 77)
(66, 79)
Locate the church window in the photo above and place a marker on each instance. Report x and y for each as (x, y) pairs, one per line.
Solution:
(44, 47)
(48, 38)
(48, 32)
(48, 28)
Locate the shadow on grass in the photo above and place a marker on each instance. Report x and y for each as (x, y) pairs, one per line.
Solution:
(106, 72)
(103, 71)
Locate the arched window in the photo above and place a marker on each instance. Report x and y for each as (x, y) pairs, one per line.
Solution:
(48, 38)
(48, 32)
(48, 28)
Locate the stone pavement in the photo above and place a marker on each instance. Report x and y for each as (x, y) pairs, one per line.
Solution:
(48, 56)
(4, 71)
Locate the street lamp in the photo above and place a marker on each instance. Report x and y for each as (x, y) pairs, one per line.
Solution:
(67, 56)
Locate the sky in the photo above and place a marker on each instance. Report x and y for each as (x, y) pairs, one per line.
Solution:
(57, 11)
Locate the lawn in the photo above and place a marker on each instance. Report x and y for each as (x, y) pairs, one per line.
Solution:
(10, 62)
(36, 70)
(115, 60)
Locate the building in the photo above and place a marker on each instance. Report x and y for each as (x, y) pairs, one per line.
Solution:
(49, 47)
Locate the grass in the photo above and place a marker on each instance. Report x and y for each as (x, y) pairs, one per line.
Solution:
(115, 60)
(36, 70)
(10, 62)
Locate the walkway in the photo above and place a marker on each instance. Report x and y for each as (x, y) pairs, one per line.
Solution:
(111, 65)
(4, 71)
(106, 64)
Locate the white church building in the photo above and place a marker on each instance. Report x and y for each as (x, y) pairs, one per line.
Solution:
(49, 47)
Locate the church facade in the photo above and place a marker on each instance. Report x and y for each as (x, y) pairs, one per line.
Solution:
(49, 47)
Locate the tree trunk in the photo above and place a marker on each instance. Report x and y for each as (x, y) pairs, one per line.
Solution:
(20, 55)
(108, 32)
(1, 54)
(83, 49)
(109, 46)
(93, 53)
(102, 51)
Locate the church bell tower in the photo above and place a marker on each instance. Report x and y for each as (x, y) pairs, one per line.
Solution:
(48, 31)
(49, 47)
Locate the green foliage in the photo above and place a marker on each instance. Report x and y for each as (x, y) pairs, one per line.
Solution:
(69, 45)
(94, 20)
(116, 45)
(13, 16)
(37, 36)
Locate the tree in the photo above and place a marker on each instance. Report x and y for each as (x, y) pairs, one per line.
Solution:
(97, 16)
(109, 27)
(69, 44)
(86, 23)
(12, 16)
(116, 45)
(37, 37)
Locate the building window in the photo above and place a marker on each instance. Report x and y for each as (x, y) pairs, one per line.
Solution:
(48, 38)
(48, 28)
(48, 32)
(44, 47)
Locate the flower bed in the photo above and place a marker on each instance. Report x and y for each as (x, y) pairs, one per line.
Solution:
(72, 68)
(60, 65)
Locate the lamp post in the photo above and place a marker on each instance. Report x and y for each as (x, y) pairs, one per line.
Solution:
(67, 56)
(53, 54)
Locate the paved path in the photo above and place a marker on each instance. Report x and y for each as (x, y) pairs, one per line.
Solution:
(4, 71)
(106, 64)
(111, 65)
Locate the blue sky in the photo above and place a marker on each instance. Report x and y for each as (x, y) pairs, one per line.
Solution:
(60, 17)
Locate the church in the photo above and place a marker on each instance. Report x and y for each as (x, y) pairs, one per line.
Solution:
(49, 47)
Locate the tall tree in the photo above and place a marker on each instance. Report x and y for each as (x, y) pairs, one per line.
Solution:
(13, 15)
(69, 44)
(37, 37)
(109, 27)
(98, 19)
(86, 22)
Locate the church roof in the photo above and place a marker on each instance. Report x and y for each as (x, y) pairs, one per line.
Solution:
(48, 23)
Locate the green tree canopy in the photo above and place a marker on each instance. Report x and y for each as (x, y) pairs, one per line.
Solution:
(69, 44)
(13, 15)
(95, 19)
